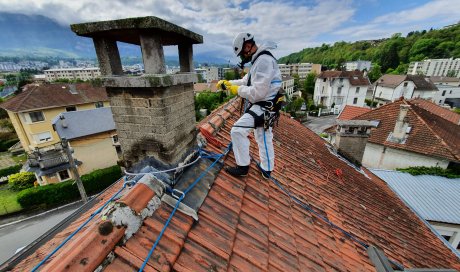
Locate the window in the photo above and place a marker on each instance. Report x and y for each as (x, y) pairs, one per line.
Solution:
(440, 101)
(64, 175)
(341, 80)
(99, 104)
(405, 84)
(355, 100)
(36, 116)
(357, 90)
(443, 93)
(42, 137)
(339, 90)
(71, 108)
(324, 79)
(115, 139)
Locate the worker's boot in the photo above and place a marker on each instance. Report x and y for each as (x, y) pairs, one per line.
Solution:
(238, 171)
(265, 174)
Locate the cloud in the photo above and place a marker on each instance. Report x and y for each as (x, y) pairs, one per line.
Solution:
(434, 13)
(293, 25)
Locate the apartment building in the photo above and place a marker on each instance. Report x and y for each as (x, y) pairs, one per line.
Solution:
(360, 65)
(435, 67)
(208, 73)
(301, 69)
(72, 73)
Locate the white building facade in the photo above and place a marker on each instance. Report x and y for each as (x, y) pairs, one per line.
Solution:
(288, 85)
(72, 73)
(360, 65)
(389, 88)
(435, 67)
(340, 88)
(208, 73)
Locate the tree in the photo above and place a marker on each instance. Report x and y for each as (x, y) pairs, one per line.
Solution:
(389, 56)
(296, 81)
(422, 48)
(375, 73)
(21, 181)
(451, 73)
(309, 85)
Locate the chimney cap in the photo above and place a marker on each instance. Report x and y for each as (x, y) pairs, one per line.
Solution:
(128, 30)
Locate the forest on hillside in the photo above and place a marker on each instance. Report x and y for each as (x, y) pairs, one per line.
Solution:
(391, 55)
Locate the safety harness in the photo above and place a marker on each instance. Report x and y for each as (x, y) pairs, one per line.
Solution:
(271, 108)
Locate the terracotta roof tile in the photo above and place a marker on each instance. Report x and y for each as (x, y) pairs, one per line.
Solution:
(249, 224)
(430, 134)
(36, 96)
(438, 110)
(350, 112)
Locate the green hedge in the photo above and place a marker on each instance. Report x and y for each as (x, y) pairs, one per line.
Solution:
(5, 144)
(65, 192)
(10, 170)
(21, 181)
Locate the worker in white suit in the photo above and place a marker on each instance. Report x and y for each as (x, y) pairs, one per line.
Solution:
(260, 87)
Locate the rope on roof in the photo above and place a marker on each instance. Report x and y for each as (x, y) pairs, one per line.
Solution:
(179, 195)
(126, 183)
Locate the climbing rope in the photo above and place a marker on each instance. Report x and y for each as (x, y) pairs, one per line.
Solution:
(181, 196)
(126, 183)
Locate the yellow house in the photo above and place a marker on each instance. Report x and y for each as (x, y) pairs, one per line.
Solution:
(92, 136)
(31, 113)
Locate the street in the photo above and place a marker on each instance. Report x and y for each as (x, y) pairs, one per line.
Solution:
(319, 124)
(15, 236)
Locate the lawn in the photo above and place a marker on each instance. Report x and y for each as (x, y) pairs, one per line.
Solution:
(8, 202)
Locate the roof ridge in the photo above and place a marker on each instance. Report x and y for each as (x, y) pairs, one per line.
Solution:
(26, 95)
(429, 127)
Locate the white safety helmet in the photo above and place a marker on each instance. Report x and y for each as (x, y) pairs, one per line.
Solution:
(239, 40)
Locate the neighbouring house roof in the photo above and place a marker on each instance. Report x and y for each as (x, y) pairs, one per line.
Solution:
(43, 96)
(356, 78)
(349, 112)
(249, 224)
(443, 79)
(76, 124)
(434, 198)
(430, 134)
(201, 87)
(438, 110)
(392, 81)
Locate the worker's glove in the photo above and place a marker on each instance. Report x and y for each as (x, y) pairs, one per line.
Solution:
(233, 89)
(223, 84)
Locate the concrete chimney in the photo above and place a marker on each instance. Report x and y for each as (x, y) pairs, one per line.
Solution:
(402, 124)
(154, 113)
(351, 138)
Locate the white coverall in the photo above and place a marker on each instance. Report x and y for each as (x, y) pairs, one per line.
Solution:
(265, 83)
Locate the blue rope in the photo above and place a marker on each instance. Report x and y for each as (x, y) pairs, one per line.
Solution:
(79, 228)
(157, 241)
(266, 152)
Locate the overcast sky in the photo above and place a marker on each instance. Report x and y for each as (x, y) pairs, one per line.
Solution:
(293, 25)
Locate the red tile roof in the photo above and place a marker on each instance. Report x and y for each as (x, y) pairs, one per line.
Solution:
(438, 110)
(356, 78)
(249, 224)
(42, 96)
(430, 134)
(350, 112)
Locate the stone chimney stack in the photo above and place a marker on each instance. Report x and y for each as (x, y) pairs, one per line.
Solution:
(351, 138)
(154, 113)
(401, 127)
